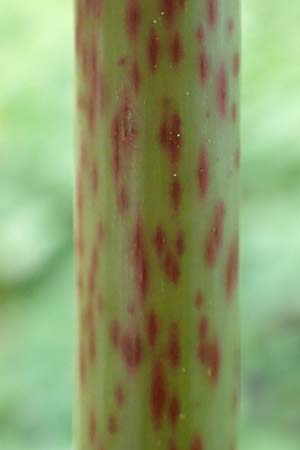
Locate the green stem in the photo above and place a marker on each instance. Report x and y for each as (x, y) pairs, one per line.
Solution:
(156, 224)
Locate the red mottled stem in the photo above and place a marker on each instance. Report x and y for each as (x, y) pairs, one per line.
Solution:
(156, 229)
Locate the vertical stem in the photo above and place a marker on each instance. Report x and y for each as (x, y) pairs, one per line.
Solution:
(156, 224)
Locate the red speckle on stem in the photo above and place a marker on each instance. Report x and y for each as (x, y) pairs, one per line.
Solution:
(174, 345)
(128, 126)
(175, 139)
(176, 49)
(175, 195)
(236, 64)
(199, 300)
(131, 346)
(152, 328)
(79, 281)
(131, 308)
(115, 131)
(200, 33)
(214, 359)
(172, 445)
(124, 133)
(92, 73)
(123, 200)
(168, 8)
(222, 91)
(174, 410)
(232, 269)
(209, 353)
(215, 238)
(112, 425)
(119, 395)
(153, 50)
(196, 443)
(203, 172)
(170, 138)
(212, 12)
(115, 333)
(171, 268)
(203, 67)
(159, 239)
(158, 394)
(91, 110)
(121, 61)
(133, 18)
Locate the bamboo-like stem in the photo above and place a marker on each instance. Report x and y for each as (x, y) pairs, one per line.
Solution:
(157, 224)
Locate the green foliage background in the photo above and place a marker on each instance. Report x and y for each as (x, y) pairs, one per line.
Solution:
(36, 261)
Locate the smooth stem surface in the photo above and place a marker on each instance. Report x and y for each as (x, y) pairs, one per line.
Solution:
(156, 224)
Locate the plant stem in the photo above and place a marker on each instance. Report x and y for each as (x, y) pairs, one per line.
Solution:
(157, 224)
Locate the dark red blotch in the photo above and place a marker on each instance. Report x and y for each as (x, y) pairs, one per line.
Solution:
(203, 65)
(196, 443)
(131, 347)
(171, 268)
(174, 410)
(170, 137)
(176, 49)
(232, 269)
(222, 90)
(159, 239)
(175, 195)
(203, 172)
(158, 394)
(153, 50)
(124, 133)
(215, 237)
(133, 18)
(212, 12)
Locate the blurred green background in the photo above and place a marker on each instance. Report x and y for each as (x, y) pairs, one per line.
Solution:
(36, 267)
